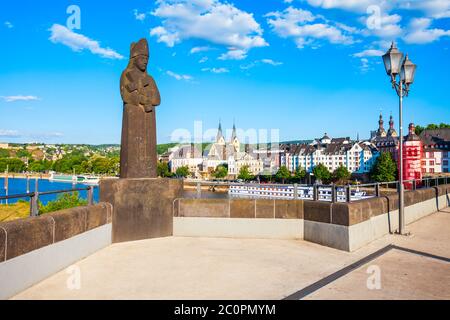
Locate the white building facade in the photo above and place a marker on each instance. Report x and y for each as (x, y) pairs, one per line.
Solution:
(357, 157)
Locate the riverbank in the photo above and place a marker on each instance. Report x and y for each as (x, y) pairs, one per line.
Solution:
(25, 175)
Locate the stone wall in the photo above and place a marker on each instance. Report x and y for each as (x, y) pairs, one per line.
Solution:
(239, 208)
(344, 226)
(26, 235)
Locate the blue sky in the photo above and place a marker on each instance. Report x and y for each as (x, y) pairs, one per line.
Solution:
(304, 67)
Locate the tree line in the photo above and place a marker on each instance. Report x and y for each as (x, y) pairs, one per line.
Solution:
(75, 162)
(384, 170)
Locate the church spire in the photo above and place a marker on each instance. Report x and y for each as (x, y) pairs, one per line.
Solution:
(381, 132)
(391, 131)
(234, 135)
(219, 132)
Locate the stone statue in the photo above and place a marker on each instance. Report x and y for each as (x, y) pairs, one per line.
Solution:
(140, 95)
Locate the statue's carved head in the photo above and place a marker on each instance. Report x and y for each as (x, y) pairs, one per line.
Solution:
(140, 54)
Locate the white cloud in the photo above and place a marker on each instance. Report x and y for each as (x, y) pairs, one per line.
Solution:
(432, 8)
(9, 133)
(19, 98)
(349, 5)
(305, 29)
(259, 62)
(369, 53)
(364, 56)
(203, 60)
(210, 20)
(365, 66)
(384, 26)
(271, 62)
(9, 25)
(200, 49)
(14, 134)
(420, 33)
(78, 42)
(216, 70)
(234, 54)
(139, 15)
(179, 76)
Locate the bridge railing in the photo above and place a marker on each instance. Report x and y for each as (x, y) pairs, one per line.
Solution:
(318, 192)
(34, 197)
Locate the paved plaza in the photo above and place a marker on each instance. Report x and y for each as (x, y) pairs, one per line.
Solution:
(213, 268)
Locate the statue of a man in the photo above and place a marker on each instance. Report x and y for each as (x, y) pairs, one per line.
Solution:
(140, 95)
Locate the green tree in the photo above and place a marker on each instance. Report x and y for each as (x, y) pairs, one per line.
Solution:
(40, 166)
(4, 153)
(12, 164)
(65, 201)
(341, 174)
(182, 172)
(322, 173)
(299, 174)
(385, 169)
(431, 126)
(101, 165)
(419, 129)
(70, 162)
(221, 172)
(245, 174)
(23, 153)
(163, 170)
(283, 174)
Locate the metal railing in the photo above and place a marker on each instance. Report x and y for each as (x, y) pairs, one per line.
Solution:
(329, 193)
(34, 197)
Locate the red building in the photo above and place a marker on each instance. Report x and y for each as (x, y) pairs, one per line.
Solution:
(412, 156)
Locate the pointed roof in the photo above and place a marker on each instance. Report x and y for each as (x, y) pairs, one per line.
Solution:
(392, 132)
(234, 135)
(381, 132)
(219, 132)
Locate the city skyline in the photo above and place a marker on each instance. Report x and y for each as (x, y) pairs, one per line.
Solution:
(303, 67)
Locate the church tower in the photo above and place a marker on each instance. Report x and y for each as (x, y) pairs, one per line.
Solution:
(381, 132)
(220, 138)
(391, 131)
(234, 140)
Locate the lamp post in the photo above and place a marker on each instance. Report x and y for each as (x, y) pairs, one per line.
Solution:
(403, 69)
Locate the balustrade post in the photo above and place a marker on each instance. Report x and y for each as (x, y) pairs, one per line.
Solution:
(34, 205)
(91, 196)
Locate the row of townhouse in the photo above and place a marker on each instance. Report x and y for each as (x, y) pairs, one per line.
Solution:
(357, 157)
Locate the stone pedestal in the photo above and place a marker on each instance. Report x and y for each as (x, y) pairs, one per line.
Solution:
(142, 208)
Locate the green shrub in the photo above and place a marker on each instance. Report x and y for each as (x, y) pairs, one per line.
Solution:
(65, 201)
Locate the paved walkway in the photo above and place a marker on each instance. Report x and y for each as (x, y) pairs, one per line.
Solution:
(200, 268)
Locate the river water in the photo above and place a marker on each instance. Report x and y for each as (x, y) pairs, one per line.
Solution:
(19, 186)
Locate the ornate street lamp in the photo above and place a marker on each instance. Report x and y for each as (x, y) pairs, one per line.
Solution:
(404, 70)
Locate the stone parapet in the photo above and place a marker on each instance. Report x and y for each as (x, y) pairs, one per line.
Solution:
(239, 208)
(26, 235)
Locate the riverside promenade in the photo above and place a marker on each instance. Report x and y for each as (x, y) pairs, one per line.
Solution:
(411, 267)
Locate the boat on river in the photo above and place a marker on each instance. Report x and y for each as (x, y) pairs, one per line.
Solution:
(75, 179)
